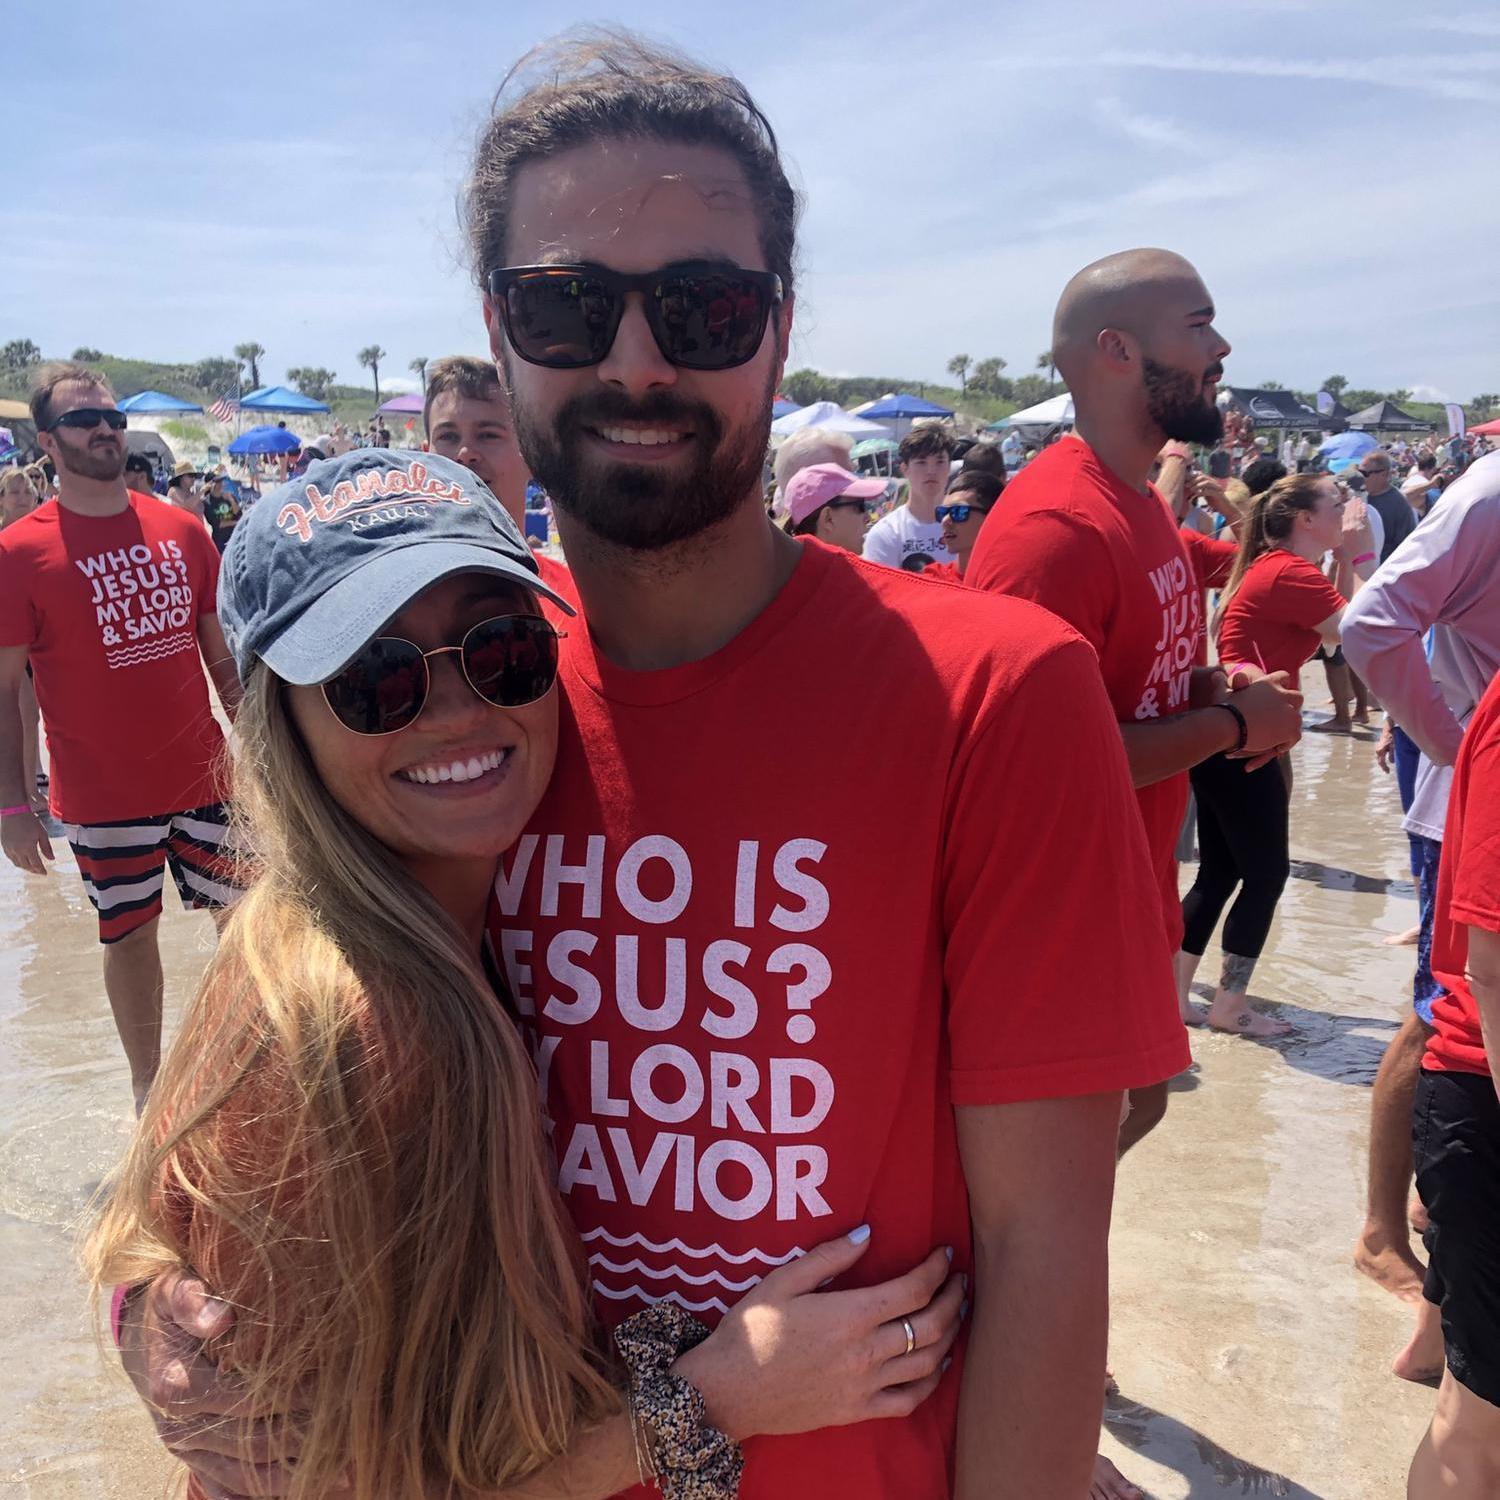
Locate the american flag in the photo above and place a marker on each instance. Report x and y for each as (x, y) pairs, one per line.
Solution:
(224, 408)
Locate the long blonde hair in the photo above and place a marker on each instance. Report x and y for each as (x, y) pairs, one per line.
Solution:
(345, 1142)
(1267, 524)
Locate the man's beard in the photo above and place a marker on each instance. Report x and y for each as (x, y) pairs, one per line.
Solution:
(641, 506)
(1176, 404)
(85, 461)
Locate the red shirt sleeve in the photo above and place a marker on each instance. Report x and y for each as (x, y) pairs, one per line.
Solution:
(1053, 559)
(203, 565)
(1058, 981)
(1212, 558)
(1301, 595)
(1476, 873)
(17, 618)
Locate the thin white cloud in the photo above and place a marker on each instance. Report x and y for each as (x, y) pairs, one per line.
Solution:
(1466, 25)
(1438, 76)
(1153, 130)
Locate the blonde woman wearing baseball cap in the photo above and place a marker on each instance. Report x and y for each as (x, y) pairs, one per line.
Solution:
(346, 1140)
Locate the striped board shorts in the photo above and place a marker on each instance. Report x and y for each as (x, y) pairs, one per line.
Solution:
(124, 866)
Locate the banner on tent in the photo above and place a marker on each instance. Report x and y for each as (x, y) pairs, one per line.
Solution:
(1455, 419)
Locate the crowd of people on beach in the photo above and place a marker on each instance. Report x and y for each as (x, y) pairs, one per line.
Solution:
(591, 1093)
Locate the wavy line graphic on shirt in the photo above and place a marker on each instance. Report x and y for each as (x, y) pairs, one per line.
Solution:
(707, 1252)
(625, 1294)
(134, 656)
(669, 1273)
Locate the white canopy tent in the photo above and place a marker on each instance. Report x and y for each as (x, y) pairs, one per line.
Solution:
(1055, 411)
(827, 414)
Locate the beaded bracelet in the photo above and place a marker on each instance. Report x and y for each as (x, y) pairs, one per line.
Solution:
(674, 1443)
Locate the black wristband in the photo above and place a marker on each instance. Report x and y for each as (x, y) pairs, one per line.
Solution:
(1239, 718)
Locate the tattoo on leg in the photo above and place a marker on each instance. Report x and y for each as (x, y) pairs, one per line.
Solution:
(1236, 973)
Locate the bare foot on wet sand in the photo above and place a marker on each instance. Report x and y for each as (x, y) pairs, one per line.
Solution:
(1242, 1021)
(1392, 1267)
(1193, 1014)
(1109, 1483)
(1422, 1360)
(1407, 939)
(1332, 726)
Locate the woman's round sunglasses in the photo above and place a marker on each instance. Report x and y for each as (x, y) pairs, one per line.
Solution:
(703, 317)
(508, 661)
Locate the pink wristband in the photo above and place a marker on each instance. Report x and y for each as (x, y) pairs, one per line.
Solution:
(10, 812)
(1363, 557)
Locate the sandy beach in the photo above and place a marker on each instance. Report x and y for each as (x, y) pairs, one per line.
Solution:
(1251, 1359)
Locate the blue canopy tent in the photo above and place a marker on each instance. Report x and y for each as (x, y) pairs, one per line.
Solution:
(153, 403)
(279, 398)
(781, 407)
(897, 412)
(265, 440)
(894, 408)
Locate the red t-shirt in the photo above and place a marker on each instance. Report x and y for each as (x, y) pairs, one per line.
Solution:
(1269, 621)
(1212, 557)
(948, 571)
(781, 909)
(556, 576)
(1468, 893)
(1073, 536)
(108, 608)
(1212, 562)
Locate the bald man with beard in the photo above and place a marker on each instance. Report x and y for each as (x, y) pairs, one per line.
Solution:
(1083, 533)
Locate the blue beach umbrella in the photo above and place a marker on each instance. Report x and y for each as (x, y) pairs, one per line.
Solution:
(1345, 448)
(265, 440)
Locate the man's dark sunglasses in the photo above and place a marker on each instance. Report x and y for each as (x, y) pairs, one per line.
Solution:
(87, 417)
(1378, 469)
(508, 661)
(959, 513)
(703, 317)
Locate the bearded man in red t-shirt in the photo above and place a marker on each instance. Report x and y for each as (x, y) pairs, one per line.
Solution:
(1084, 533)
(112, 595)
(740, 1048)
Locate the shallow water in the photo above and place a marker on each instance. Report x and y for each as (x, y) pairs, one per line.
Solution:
(1251, 1359)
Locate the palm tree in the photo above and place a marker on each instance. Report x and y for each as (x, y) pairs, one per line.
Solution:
(959, 366)
(418, 367)
(1045, 361)
(370, 357)
(252, 354)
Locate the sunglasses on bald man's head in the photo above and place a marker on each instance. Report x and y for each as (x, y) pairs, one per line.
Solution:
(703, 317)
(87, 417)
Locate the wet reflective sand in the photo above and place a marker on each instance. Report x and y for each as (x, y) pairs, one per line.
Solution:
(1251, 1359)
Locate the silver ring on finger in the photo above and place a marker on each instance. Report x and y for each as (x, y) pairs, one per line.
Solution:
(911, 1335)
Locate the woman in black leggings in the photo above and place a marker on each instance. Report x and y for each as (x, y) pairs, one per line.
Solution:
(1277, 607)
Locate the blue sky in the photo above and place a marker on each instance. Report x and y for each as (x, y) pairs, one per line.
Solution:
(192, 176)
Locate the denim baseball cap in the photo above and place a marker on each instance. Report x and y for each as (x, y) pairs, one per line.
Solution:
(317, 567)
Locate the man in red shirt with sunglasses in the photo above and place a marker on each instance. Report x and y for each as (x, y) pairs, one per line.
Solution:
(112, 596)
(738, 1051)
